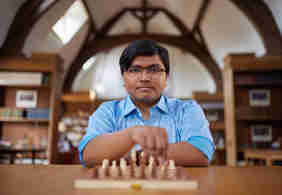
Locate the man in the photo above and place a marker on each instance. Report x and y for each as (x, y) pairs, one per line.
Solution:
(147, 120)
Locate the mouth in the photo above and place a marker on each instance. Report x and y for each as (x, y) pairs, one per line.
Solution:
(145, 88)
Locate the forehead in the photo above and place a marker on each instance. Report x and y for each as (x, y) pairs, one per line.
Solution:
(147, 60)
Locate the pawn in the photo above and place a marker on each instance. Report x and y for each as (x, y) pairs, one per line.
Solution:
(133, 156)
(114, 171)
(151, 161)
(149, 169)
(125, 170)
(161, 171)
(171, 170)
(143, 160)
(105, 163)
(138, 172)
(102, 171)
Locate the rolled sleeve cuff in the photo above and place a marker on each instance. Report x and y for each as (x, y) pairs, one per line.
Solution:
(86, 139)
(204, 145)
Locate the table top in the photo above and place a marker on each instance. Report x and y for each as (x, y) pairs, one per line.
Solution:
(58, 180)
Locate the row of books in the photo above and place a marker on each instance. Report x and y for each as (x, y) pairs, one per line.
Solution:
(19, 113)
(38, 113)
(23, 78)
(15, 113)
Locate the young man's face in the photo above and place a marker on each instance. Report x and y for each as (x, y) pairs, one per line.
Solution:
(145, 86)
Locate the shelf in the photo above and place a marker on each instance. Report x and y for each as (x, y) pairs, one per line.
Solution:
(79, 97)
(24, 120)
(217, 126)
(207, 97)
(251, 114)
(220, 149)
(271, 79)
(27, 86)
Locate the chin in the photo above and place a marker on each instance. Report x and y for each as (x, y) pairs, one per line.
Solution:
(147, 100)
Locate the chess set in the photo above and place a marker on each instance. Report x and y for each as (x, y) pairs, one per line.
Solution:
(137, 176)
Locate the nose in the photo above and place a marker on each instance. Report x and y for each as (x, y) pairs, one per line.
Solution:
(145, 75)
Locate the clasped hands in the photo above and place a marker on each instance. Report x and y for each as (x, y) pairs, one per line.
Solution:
(153, 141)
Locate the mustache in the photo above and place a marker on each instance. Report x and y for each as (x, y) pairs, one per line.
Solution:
(145, 86)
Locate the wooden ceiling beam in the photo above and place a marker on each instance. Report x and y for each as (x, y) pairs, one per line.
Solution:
(263, 20)
(27, 16)
(93, 24)
(202, 12)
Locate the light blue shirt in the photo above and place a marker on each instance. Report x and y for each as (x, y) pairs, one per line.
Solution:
(183, 120)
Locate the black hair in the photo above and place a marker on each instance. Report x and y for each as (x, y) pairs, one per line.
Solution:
(143, 48)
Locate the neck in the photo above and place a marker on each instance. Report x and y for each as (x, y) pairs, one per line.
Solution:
(144, 107)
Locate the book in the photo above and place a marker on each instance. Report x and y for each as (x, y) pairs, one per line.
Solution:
(20, 78)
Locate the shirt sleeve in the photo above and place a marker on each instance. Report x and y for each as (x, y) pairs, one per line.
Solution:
(101, 122)
(195, 129)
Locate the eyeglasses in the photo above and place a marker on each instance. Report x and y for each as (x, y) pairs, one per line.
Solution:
(153, 70)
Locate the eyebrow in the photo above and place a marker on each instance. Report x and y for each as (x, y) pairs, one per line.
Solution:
(139, 66)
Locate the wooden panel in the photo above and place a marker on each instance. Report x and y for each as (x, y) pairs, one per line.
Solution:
(242, 96)
(259, 79)
(14, 132)
(248, 62)
(229, 116)
(217, 126)
(43, 97)
(244, 133)
(207, 97)
(83, 97)
(39, 62)
(2, 96)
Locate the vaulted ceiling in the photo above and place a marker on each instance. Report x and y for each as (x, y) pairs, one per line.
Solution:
(176, 23)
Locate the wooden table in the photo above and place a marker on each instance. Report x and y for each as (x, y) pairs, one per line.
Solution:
(58, 180)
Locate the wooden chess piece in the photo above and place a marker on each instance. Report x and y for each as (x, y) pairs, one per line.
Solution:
(138, 172)
(133, 158)
(114, 171)
(142, 159)
(161, 171)
(148, 172)
(171, 170)
(102, 171)
(125, 170)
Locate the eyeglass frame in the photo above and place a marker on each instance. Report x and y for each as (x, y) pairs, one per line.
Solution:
(154, 70)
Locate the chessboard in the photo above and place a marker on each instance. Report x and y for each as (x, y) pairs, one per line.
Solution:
(135, 176)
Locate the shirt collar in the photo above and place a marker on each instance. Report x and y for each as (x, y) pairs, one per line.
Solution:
(129, 106)
(162, 104)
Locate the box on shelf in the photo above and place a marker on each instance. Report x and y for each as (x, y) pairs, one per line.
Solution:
(21, 78)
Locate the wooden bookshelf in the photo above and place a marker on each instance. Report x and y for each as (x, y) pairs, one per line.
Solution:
(48, 94)
(252, 97)
(212, 105)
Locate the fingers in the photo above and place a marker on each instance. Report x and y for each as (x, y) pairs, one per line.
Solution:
(153, 140)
